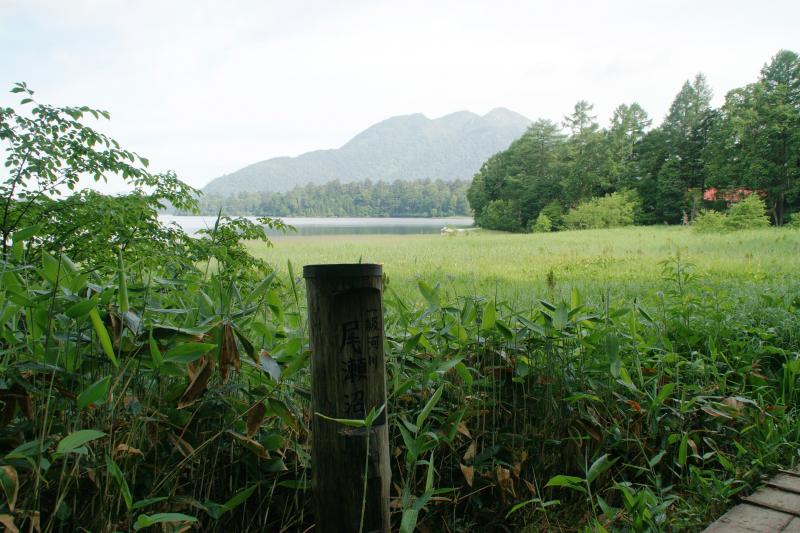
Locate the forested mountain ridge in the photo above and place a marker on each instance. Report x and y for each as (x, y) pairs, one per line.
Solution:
(408, 147)
(417, 198)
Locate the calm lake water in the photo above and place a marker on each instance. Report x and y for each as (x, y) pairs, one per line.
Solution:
(338, 226)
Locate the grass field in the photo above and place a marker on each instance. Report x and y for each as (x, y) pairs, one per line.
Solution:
(625, 262)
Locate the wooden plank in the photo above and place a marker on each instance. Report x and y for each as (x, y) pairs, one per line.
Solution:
(750, 519)
(785, 482)
(793, 527)
(776, 499)
(795, 472)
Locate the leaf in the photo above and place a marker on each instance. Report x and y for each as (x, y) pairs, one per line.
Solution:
(81, 308)
(77, 439)
(51, 267)
(464, 374)
(7, 521)
(269, 365)
(130, 450)
(653, 461)
(246, 344)
(155, 352)
(489, 316)
(95, 393)
(239, 498)
(187, 352)
(575, 298)
(253, 445)
(255, 415)
(351, 422)
(296, 484)
(682, 452)
(634, 405)
(664, 393)
(198, 383)
(102, 336)
(23, 234)
(143, 520)
(611, 347)
(520, 505)
(229, 352)
(431, 294)
(423, 415)
(148, 501)
(183, 447)
(569, 482)
(116, 473)
(261, 288)
(283, 412)
(9, 481)
(216, 510)
(408, 523)
(469, 473)
(600, 465)
(471, 450)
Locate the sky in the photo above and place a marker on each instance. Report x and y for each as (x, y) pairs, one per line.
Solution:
(207, 87)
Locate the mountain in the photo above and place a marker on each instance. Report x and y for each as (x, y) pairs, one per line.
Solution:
(406, 147)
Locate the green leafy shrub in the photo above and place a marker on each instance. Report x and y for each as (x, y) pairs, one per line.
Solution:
(610, 211)
(750, 213)
(542, 224)
(555, 212)
(710, 221)
(501, 215)
(793, 221)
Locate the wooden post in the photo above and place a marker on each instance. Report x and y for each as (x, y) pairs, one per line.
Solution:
(348, 379)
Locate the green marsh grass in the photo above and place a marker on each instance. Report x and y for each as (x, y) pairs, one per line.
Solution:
(624, 262)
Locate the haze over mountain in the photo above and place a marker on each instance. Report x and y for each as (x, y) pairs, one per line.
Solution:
(406, 147)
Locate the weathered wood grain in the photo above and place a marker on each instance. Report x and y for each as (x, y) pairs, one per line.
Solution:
(345, 313)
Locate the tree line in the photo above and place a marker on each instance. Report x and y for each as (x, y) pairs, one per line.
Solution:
(417, 198)
(698, 158)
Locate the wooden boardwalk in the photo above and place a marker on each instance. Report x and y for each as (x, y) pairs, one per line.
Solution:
(773, 507)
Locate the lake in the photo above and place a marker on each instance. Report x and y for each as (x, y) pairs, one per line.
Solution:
(337, 226)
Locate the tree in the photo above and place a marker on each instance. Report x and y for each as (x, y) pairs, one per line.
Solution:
(584, 155)
(670, 158)
(502, 215)
(755, 142)
(48, 150)
(628, 125)
(527, 175)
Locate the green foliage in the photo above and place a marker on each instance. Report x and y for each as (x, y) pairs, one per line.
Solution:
(502, 215)
(750, 213)
(750, 143)
(555, 212)
(47, 150)
(416, 198)
(754, 143)
(710, 221)
(542, 224)
(611, 211)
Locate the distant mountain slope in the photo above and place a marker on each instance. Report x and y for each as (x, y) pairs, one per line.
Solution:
(406, 147)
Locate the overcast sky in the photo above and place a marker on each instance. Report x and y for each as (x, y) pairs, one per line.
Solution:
(204, 88)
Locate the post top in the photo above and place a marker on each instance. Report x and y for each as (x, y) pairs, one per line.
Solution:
(343, 270)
